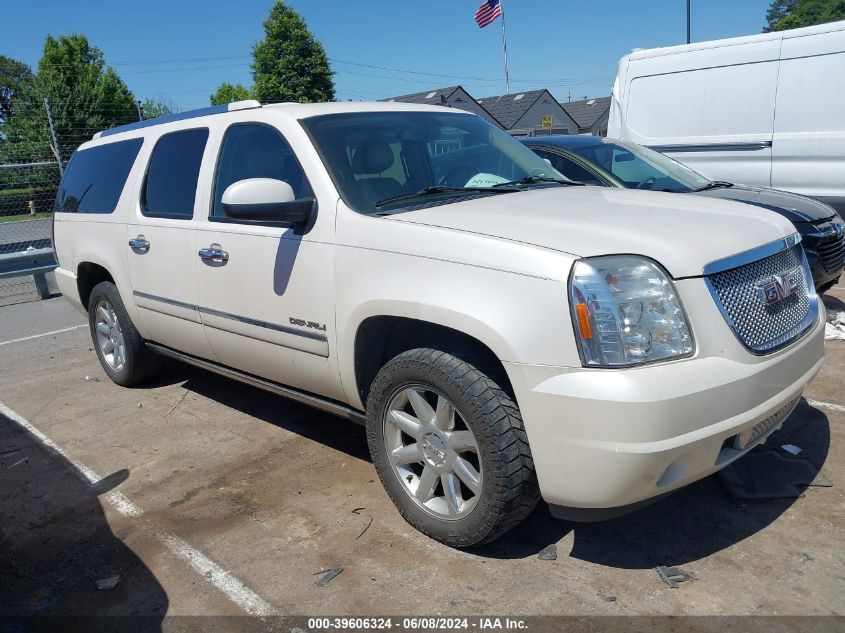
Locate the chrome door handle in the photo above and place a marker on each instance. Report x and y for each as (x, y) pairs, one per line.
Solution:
(214, 255)
(139, 244)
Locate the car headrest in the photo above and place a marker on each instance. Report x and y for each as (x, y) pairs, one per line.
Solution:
(372, 158)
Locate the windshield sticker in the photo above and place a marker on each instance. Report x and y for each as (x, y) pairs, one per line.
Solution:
(484, 180)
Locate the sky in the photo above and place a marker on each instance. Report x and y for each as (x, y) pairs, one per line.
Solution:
(179, 51)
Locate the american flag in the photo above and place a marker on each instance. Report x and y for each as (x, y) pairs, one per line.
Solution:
(488, 12)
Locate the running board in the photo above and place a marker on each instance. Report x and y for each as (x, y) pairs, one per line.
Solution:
(329, 406)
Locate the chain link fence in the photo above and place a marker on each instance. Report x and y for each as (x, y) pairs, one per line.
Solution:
(27, 195)
(29, 179)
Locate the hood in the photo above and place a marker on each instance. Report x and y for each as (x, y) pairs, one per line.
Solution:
(683, 233)
(794, 207)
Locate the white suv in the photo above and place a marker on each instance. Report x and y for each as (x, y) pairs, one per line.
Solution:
(502, 333)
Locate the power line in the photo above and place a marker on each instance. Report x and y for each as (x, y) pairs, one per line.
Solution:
(545, 81)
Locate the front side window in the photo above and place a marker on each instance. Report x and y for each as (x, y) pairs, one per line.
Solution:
(94, 178)
(170, 189)
(374, 157)
(569, 168)
(253, 150)
(639, 167)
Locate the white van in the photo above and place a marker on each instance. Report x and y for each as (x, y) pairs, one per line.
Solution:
(766, 110)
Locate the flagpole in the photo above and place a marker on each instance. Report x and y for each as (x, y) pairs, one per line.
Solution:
(505, 47)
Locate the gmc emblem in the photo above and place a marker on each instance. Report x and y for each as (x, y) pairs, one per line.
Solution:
(779, 287)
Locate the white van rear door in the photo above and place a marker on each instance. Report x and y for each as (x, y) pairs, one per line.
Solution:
(809, 138)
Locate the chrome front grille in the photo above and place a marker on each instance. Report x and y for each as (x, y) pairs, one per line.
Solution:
(764, 323)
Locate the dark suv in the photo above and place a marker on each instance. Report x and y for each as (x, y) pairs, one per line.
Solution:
(614, 163)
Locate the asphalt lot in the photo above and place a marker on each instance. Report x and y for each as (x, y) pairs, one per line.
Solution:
(209, 497)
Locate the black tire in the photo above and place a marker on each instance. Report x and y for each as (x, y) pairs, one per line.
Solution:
(140, 363)
(509, 490)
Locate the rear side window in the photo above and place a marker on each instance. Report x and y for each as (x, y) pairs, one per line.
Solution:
(170, 188)
(95, 177)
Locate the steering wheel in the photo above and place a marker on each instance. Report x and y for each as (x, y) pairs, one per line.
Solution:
(458, 176)
(644, 183)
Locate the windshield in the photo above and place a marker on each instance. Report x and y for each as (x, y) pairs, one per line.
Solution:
(380, 160)
(638, 167)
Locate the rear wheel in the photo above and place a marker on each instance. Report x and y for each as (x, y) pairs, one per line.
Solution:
(449, 447)
(118, 344)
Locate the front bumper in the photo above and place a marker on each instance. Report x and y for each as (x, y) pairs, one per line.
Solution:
(607, 439)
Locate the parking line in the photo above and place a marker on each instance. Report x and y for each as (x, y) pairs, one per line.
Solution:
(118, 500)
(34, 336)
(826, 405)
(237, 592)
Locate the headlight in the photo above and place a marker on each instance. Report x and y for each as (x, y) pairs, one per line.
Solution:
(625, 311)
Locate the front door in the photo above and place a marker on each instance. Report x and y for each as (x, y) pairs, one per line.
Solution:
(160, 242)
(266, 292)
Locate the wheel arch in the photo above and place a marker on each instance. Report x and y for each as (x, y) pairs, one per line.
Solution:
(380, 337)
(88, 275)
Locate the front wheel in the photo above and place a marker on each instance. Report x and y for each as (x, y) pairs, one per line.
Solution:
(450, 449)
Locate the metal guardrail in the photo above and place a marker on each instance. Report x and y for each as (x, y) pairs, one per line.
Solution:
(32, 261)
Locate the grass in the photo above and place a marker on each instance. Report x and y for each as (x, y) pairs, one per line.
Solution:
(5, 219)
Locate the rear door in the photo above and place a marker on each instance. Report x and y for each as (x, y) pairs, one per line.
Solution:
(160, 243)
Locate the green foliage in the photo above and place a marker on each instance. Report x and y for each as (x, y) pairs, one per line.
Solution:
(227, 93)
(15, 77)
(289, 64)
(152, 108)
(86, 96)
(792, 14)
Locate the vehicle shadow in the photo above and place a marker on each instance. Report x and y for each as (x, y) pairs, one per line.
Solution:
(833, 304)
(55, 544)
(332, 431)
(688, 525)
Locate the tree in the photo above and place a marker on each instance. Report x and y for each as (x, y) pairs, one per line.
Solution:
(152, 108)
(227, 93)
(289, 64)
(85, 95)
(792, 14)
(15, 77)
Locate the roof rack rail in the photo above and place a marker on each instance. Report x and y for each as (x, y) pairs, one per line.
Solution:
(181, 116)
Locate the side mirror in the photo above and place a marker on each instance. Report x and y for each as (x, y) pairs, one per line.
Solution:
(266, 200)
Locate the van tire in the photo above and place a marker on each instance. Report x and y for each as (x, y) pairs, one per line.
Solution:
(508, 490)
(138, 362)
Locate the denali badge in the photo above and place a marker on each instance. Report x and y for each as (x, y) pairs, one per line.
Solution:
(777, 288)
(311, 324)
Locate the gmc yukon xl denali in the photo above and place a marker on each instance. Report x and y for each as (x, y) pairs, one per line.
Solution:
(503, 334)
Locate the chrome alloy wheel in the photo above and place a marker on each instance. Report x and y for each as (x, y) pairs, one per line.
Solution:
(433, 452)
(109, 335)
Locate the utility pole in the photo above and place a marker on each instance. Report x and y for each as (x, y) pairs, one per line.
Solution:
(55, 144)
(140, 114)
(688, 23)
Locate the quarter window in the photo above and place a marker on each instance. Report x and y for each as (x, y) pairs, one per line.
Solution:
(95, 177)
(171, 184)
(253, 150)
